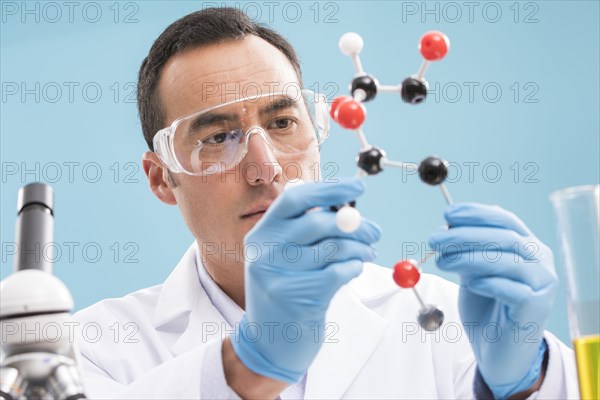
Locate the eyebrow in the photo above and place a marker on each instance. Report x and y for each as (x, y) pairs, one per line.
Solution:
(211, 118)
(280, 104)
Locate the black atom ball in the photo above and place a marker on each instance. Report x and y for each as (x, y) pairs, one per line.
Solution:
(336, 208)
(414, 91)
(430, 318)
(433, 170)
(368, 83)
(369, 160)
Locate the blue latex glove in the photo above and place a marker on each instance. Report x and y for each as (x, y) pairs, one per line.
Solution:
(295, 262)
(507, 287)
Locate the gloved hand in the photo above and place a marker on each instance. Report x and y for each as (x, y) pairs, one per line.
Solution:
(507, 287)
(295, 262)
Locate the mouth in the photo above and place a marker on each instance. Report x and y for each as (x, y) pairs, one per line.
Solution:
(256, 212)
(253, 215)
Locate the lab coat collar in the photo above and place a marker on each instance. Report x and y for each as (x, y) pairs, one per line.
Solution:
(184, 308)
(179, 292)
(353, 331)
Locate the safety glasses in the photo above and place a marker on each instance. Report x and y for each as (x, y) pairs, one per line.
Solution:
(216, 139)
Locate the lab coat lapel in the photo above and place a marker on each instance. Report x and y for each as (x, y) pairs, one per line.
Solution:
(205, 324)
(358, 332)
(184, 309)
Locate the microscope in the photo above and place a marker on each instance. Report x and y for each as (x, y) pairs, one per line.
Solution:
(38, 359)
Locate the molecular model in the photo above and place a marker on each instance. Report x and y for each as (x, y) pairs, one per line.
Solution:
(350, 113)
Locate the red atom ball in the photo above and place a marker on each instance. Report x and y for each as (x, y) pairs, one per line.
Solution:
(335, 104)
(406, 274)
(350, 114)
(434, 45)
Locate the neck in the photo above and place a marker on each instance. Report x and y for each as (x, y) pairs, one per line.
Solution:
(229, 276)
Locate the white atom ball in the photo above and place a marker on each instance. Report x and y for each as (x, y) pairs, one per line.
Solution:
(351, 43)
(347, 219)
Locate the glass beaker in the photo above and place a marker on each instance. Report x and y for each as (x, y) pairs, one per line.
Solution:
(578, 215)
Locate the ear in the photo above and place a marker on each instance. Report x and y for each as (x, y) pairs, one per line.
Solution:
(157, 178)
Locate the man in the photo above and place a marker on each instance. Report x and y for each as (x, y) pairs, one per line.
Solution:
(264, 303)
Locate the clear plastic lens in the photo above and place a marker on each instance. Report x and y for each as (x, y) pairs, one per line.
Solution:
(215, 139)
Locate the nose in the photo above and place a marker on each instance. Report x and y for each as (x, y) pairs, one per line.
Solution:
(259, 165)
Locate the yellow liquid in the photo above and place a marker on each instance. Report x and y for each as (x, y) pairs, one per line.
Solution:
(587, 353)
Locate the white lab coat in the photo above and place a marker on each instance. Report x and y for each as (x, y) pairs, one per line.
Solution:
(374, 348)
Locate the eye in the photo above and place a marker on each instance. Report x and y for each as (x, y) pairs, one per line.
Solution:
(221, 137)
(281, 123)
(217, 139)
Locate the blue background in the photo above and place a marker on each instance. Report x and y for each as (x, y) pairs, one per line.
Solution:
(543, 137)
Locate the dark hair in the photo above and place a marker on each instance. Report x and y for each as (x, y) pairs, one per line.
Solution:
(201, 28)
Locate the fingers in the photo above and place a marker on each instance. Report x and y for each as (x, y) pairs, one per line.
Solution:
(483, 252)
(342, 272)
(322, 254)
(512, 293)
(475, 214)
(322, 284)
(321, 224)
(340, 250)
(299, 199)
(461, 239)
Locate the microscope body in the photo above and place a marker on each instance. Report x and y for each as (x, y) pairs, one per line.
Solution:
(38, 359)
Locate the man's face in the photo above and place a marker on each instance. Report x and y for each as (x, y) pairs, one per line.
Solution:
(219, 209)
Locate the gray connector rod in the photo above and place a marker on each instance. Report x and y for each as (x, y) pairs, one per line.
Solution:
(34, 230)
